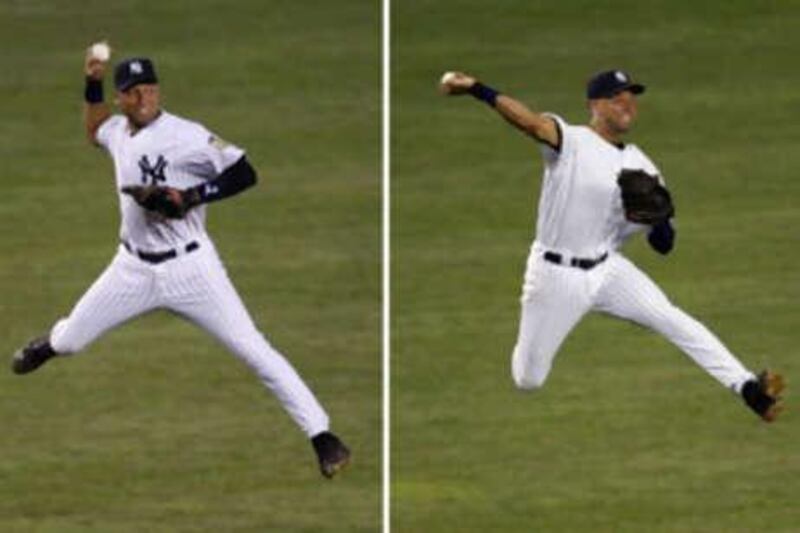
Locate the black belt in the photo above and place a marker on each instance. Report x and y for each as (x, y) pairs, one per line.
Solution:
(159, 257)
(577, 262)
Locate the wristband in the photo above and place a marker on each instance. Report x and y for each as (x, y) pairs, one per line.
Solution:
(484, 93)
(93, 94)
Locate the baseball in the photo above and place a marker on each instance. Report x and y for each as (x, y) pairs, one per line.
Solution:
(101, 51)
(447, 77)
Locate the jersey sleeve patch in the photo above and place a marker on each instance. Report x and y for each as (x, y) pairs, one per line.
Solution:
(211, 156)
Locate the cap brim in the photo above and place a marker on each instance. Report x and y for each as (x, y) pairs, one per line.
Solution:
(125, 86)
(635, 88)
(130, 84)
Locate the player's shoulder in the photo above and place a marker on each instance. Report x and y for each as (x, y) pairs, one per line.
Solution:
(188, 132)
(109, 129)
(566, 128)
(194, 136)
(584, 131)
(635, 157)
(114, 121)
(182, 125)
(558, 119)
(634, 150)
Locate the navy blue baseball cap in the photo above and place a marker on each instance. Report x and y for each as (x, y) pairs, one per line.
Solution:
(610, 83)
(131, 72)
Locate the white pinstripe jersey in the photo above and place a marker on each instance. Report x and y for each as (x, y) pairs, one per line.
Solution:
(170, 151)
(580, 206)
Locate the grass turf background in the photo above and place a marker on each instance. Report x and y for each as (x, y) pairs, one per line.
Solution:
(628, 434)
(155, 427)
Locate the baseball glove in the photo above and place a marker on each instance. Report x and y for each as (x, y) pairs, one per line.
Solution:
(167, 201)
(644, 199)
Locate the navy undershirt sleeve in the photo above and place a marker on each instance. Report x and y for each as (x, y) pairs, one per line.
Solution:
(234, 179)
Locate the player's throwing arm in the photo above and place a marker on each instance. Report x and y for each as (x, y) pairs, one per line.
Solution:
(540, 127)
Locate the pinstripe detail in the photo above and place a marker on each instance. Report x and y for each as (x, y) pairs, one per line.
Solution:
(121, 293)
(555, 298)
(216, 307)
(196, 287)
(630, 294)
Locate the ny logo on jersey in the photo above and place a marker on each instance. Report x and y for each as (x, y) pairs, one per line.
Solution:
(155, 172)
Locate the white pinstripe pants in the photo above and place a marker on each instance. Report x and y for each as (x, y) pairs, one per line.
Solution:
(556, 297)
(196, 287)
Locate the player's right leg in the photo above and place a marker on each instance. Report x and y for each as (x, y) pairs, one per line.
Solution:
(122, 292)
(629, 293)
(554, 299)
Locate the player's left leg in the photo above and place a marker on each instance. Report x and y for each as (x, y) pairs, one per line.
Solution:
(199, 289)
(629, 293)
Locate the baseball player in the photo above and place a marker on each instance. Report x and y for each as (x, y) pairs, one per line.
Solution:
(167, 168)
(597, 191)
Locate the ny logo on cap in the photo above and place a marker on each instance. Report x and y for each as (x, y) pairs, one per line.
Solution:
(621, 77)
(136, 68)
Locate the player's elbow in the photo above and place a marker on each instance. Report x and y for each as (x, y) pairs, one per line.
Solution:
(244, 173)
(91, 134)
(252, 178)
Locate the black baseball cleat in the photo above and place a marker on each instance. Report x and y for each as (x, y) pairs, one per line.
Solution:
(32, 356)
(333, 455)
(762, 395)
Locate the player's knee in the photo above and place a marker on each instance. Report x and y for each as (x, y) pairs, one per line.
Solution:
(527, 375)
(529, 382)
(526, 378)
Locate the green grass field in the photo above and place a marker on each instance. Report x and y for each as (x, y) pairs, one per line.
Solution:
(628, 435)
(155, 427)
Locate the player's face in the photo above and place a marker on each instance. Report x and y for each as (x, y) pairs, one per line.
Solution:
(620, 111)
(615, 115)
(140, 103)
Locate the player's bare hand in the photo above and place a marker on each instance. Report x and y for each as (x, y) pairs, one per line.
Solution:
(453, 83)
(97, 56)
